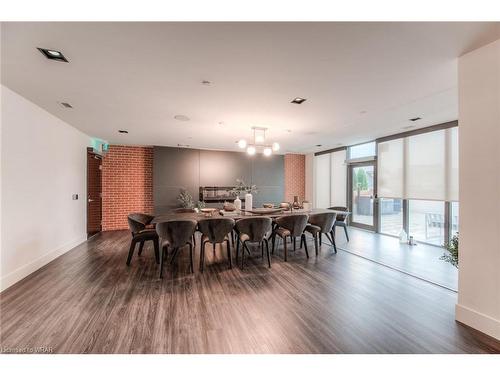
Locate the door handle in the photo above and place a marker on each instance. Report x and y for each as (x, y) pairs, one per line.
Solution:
(90, 200)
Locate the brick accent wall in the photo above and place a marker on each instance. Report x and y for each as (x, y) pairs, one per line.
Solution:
(295, 177)
(127, 184)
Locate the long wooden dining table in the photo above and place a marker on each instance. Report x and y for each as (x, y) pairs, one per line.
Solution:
(200, 216)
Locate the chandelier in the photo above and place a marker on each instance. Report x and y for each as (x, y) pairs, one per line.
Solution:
(259, 143)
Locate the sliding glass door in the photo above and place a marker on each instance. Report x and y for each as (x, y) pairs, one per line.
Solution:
(362, 195)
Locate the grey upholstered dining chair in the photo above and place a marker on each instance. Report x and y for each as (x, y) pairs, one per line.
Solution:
(290, 226)
(319, 224)
(341, 220)
(176, 234)
(185, 210)
(215, 231)
(137, 223)
(253, 230)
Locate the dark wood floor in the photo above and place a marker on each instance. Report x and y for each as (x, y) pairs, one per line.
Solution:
(88, 301)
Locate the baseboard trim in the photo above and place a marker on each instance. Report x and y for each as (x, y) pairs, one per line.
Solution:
(478, 321)
(26, 270)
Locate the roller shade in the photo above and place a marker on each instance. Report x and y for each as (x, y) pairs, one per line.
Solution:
(330, 179)
(338, 179)
(423, 166)
(322, 181)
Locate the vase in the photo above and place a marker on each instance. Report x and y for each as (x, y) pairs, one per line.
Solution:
(248, 201)
(403, 237)
(237, 203)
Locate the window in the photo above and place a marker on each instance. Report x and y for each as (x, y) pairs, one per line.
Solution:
(362, 151)
(427, 221)
(391, 216)
(453, 219)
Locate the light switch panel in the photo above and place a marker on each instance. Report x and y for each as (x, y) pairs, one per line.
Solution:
(75, 197)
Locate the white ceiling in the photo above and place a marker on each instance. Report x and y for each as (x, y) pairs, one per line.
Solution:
(138, 76)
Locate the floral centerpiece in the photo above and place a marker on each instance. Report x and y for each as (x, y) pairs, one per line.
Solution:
(242, 188)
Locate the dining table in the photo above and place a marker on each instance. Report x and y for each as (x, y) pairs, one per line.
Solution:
(239, 215)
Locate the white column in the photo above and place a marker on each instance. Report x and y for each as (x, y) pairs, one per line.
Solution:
(479, 182)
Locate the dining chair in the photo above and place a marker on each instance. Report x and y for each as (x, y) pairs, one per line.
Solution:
(290, 226)
(215, 231)
(319, 224)
(137, 222)
(185, 210)
(340, 220)
(176, 234)
(253, 230)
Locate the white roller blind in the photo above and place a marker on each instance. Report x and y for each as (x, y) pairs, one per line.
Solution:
(452, 134)
(338, 181)
(423, 166)
(426, 166)
(390, 172)
(322, 181)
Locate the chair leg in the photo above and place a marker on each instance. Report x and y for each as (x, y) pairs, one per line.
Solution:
(157, 250)
(141, 246)
(131, 251)
(194, 238)
(273, 240)
(346, 234)
(301, 241)
(294, 244)
(229, 257)
(320, 239)
(237, 249)
(244, 247)
(332, 240)
(191, 257)
(262, 249)
(162, 258)
(174, 254)
(214, 248)
(267, 252)
(285, 249)
(305, 245)
(202, 256)
(316, 243)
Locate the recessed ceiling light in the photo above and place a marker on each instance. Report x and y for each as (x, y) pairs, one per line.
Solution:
(206, 83)
(267, 151)
(181, 118)
(298, 100)
(242, 143)
(52, 54)
(65, 105)
(123, 131)
(416, 119)
(276, 146)
(221, 123)
(251, 150)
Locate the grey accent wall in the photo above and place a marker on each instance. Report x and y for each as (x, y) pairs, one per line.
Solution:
(176, 168)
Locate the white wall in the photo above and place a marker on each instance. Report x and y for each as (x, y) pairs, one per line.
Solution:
(43, 162)
(479, 120)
